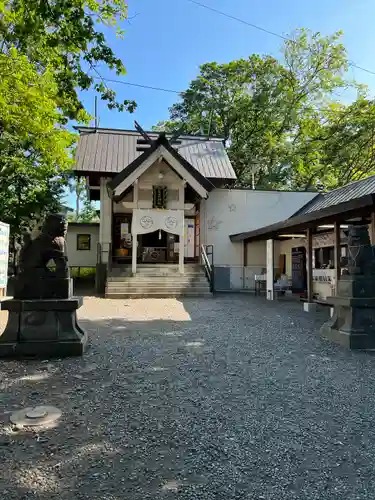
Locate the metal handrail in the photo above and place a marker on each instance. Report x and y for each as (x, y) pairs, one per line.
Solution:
(209, 267)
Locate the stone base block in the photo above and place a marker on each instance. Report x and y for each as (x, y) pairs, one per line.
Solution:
(347, 339)
(351, 327)
(42, 329)
(309, 306)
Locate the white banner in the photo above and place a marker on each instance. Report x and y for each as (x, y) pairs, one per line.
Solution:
(148, 220)
(4, 254)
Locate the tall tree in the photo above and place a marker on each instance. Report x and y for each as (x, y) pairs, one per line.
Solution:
(267, 110)
(34, 148)
(49, 50)
(66, 36)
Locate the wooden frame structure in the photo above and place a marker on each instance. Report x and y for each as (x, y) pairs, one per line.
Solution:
(359, 210)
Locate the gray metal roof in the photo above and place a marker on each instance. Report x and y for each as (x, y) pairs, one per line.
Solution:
(351, 191)
(111, 150)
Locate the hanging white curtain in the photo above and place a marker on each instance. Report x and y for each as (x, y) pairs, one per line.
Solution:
(148, 220)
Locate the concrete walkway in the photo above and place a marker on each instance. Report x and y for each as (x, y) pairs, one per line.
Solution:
(220, 399)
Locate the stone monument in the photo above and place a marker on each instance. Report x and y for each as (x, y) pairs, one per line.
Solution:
(353, 322)
(42, 319)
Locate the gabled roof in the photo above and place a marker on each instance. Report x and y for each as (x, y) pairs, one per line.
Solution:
(161, 141)
(111, 150)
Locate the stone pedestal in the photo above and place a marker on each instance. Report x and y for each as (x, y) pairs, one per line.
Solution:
(43, 328)
(353, 322)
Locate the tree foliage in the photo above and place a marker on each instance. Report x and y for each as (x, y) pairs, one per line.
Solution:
(65, 35)
(280, 119)
(85, 210)
(49, 51)
(34, 148)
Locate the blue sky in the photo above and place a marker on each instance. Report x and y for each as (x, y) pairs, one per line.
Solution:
(166, 41)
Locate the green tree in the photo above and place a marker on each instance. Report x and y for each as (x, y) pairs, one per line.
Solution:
(85, 210)
(268, 110)
(341, 147)
(66, 36)
(35, 150)
(88, 212)
(49, 51)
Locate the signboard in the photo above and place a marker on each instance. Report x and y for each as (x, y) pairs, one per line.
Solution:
(4, 256)
(298, 270)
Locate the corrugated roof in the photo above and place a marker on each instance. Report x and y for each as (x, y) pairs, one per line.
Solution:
(351, 191)
(111, 150)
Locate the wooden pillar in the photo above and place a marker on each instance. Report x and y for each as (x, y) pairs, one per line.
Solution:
(105, 226)
(134, 253)
(372, 229)
(309, 251)
(181, 254)
(270, 269)
(337, 253)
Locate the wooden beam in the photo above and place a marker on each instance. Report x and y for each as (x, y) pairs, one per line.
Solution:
(309, 250)
(140, 130)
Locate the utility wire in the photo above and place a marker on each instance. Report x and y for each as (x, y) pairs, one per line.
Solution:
(238, 19)
(161, 89)
(259, 28)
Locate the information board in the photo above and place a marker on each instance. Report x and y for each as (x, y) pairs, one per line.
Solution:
(298, 270)
(4, 255)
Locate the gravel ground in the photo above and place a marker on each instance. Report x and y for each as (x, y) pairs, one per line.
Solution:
(225, 398)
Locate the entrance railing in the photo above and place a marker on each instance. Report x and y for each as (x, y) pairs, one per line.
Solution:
(207, 255)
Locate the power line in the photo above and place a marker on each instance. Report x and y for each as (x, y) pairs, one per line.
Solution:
(361, 68)
(259, 28)
(161, 89)
(239, 20)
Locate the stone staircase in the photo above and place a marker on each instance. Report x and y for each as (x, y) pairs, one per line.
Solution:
(158, 281)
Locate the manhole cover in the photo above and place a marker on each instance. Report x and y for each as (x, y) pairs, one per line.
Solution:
(37, 415)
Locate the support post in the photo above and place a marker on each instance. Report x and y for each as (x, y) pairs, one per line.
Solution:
(372, 231)
(270, 269)
(105, 227)
(181, 254)
(310, 305)
(134, 253)
(244, 253)
(337, 253)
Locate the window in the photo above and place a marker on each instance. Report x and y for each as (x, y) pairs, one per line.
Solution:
(83, 241)
(159, 197)
(324, 258)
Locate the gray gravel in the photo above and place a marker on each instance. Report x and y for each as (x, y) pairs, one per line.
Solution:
(225, 398)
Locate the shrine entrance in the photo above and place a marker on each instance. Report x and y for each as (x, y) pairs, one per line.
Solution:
(159, 247)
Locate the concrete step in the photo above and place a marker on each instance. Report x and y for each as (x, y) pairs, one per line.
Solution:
(155, 276)
(158, 282)
(153, 280)
(156, 271)
(170, 289)
(160, 295)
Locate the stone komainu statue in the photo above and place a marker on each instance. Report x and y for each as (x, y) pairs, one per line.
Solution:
(360, 259)
(36, 277)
